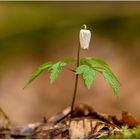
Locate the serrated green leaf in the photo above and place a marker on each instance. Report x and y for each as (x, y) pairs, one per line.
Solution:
(94, 62)
(87, 73)
(57, 67)
(103, 68)
(55, 70)
(111, 80)
(37, 72)
(99, 62)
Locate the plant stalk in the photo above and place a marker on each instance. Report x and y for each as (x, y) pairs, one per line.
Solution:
(76, 80)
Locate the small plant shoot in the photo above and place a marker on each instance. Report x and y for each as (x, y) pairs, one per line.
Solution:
(86, 68)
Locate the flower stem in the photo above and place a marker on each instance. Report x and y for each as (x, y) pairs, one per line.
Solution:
(76, 79)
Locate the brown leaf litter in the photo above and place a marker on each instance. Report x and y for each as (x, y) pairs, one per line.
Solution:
(83, 122)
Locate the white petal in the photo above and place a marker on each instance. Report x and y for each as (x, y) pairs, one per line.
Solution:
(84, 36)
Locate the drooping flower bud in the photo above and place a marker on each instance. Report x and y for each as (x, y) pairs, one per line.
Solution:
(84, 37)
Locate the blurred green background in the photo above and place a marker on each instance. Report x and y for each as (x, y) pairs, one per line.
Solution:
(32, 33)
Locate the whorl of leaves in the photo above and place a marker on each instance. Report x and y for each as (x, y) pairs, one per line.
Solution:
(87, 70)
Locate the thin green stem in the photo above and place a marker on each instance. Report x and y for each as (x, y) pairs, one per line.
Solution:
(76, 79)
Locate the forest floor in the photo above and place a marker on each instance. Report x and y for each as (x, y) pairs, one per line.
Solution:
(83, 123)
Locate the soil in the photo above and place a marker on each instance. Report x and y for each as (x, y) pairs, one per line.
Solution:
(83, 122)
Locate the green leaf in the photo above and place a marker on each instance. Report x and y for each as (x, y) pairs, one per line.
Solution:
(111, 80)
(94, 62)
(57, 67)
(37, 72)
(100, 66)
(99, 62)
(55, 70)
(87, 73)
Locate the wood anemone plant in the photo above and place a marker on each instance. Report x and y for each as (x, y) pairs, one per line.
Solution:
(86, 68)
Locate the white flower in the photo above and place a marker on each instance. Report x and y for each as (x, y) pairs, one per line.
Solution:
(84, 36)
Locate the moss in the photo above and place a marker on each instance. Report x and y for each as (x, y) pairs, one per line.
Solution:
(126, 133)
